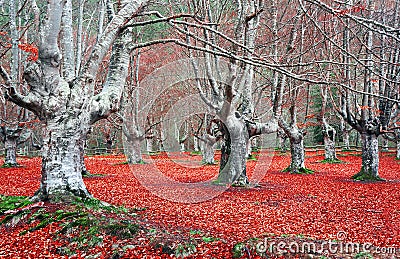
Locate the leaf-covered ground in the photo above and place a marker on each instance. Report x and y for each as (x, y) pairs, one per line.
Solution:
(285, 207)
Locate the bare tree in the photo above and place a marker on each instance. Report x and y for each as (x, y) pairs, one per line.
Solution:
(367, 74)
(328, 131)
(231, 98)
(14, 119)
(68, 108)
(289, 88)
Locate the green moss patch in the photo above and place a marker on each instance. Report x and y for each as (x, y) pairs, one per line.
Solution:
(298, 171)
(366, 176)
(331, 161)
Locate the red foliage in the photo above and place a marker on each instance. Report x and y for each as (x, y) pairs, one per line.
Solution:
(310, 116)
(30, 48)
(318, 205)
(307, 124)
(354, 9)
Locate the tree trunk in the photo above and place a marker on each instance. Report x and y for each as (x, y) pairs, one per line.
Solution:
(282, 144)
(195, 144)
(249, 149)
(134, 151)
(385, 145)
(346, 134)
(282, 140)
(255, 143)
(10, 146)
(84, 171)
(109, 144)
(330, 151)
(397, 140)
(208, 151)
(329, 141)
(370, 158)
(297, 152)
(346, 139)
(12, 137)
(62, 161)
(149, 145)
(398, 149)
(233, 153)
(297, 155)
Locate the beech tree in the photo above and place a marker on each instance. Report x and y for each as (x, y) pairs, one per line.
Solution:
(328, 132)
(208, 138)
(380, 89)
(367, 75)
(289, 88)
(15, 46)
(65, 101)
(231, 98)
(12, 134)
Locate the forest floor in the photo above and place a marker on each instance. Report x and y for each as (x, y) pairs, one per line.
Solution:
(320, 215)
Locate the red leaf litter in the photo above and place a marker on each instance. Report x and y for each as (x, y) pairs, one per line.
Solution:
(319, 206)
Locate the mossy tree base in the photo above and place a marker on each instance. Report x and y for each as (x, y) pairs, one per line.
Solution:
(141, 162)
(195, 153)
(207, 163)
(366, 176)
(302, 170)
(218, 183)
(242, 182)
(252, 157)
(60, 196)
(90, 175)
(332, 161)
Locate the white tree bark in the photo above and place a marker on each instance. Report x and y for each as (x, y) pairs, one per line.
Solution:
(398, 149)
(370, 158)
(346, 138)
(14, 44)
(234, 148)
(134, 150)
(133, 139)
(195, 144)
(149, 145)
(330, 151)
(207, 149)
(297, 155)
(61, 158)
(68, 66)
(297, 152)
(282, 140)
(328, 131)
(10, 146)
(248, 147)
(12, 137)
(78, 54)
(329, 134)
(385, 145)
